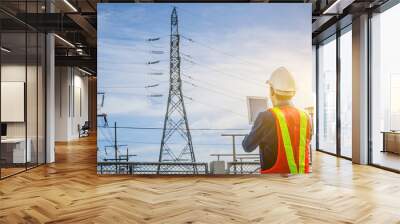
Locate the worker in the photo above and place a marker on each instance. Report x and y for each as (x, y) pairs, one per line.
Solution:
(283, 133)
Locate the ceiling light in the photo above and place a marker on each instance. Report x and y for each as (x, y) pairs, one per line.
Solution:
(79, 51)
(65, 41)
(5, 50)
(70, 5)
(84, 71)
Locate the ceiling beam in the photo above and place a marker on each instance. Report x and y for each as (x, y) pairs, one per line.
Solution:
(77, 61)
(86, 26)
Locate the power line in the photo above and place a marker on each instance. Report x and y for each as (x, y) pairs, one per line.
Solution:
(211, 84)
(145, 37)
(237, 75)
(155, 52)
(121, 87)
(145, 63)
(192, 129)
(250, 81)
(215, 106)
(106, 137)
(215, 86)
(221, 52)
(134, 87)
(157, 143)
(155, 73)
(138, 95)
(155, 83)
(215, 91)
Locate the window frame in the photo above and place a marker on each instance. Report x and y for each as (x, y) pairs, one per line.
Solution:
(381, 9)
(334, 37)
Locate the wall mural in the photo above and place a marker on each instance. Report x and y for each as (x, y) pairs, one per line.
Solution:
(181, 87)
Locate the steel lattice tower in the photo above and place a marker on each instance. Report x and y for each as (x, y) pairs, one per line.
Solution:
(176, 126)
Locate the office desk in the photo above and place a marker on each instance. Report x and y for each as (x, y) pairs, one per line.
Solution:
(13, 150)
(391, 142)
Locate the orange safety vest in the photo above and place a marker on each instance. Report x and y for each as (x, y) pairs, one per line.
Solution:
(293, 128)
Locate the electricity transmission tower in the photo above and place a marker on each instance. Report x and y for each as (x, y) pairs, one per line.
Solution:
(176, 126)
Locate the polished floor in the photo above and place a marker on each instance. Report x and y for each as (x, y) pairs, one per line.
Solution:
(387, 159)
(9, 171)
(5, 172)
(69, 191)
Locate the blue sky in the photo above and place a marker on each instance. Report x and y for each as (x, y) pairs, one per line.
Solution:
(235, 49)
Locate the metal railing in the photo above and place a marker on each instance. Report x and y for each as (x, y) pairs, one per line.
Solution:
(249, 156)
(243, 168)
(164, 168)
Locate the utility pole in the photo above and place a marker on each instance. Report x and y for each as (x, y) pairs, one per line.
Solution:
(116, 147)
(176, 125)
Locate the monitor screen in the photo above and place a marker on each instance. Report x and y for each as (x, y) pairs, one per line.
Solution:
(3, 129)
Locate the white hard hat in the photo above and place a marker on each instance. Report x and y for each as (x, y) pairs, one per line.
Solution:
(282, 82)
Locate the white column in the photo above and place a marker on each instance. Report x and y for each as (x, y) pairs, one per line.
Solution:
(360, 90)
(63, 101)
(50, 92)
(50, 100)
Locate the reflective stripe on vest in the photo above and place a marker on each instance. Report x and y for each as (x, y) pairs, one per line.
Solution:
(288, 143)
(302, 141)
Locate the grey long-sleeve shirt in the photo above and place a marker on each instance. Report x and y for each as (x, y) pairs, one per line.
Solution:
(263, 134)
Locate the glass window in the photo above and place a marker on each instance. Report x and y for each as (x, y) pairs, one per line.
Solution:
(22, 92)
(327, 96)
(346, 93)
(15, 151)
(385, 88)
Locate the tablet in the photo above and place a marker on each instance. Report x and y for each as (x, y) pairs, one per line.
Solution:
(255, 105)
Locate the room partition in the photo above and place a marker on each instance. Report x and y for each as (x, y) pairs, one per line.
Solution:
(22, 77)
